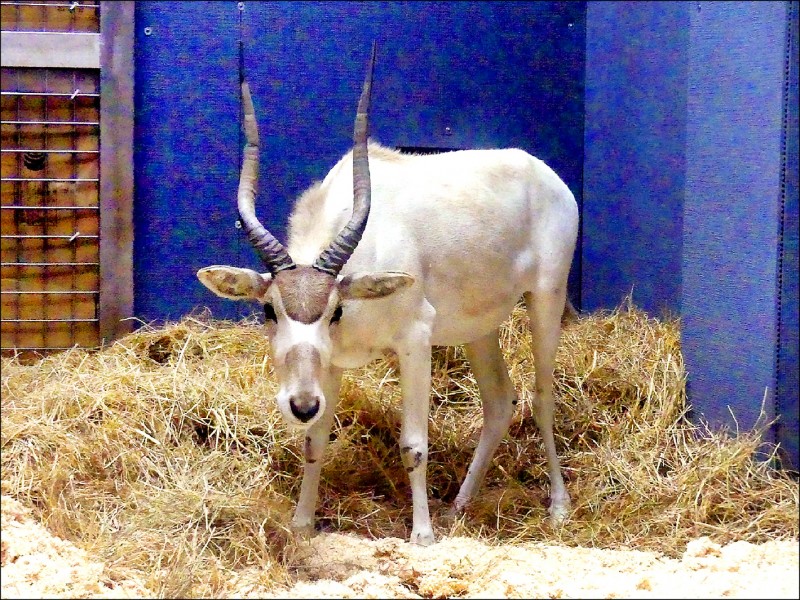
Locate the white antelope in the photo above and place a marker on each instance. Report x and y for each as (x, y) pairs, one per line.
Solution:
(421, 251)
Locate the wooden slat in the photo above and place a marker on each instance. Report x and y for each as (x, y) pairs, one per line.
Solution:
(39, 222)
(53, 50)
(50, 15)
(50, 81)
(35, 250)
(38, 335)
(116, 185)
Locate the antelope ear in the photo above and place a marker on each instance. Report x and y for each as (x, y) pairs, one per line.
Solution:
(235, 283)
(373, 285)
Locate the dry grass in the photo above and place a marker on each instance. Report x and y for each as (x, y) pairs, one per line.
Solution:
(165, 455)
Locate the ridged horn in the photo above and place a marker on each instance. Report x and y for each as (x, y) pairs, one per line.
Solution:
(269, 249)
(338, 253)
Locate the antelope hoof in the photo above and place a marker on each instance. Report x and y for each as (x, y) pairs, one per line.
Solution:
(422, 538)
(457, 509)
(559, 513)
(453, 513)
(302, 530)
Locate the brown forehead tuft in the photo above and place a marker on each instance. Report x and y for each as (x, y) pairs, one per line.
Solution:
(304, 291)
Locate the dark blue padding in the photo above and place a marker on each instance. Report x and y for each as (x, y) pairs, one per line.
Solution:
(495, 73)
(448, 75)
(731, 213)
(635, 139)
(788, 430)
(186, 154)
(683, 193)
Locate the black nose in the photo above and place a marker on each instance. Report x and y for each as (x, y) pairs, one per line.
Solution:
(304, 406)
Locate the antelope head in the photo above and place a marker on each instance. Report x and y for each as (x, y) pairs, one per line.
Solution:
(302, 303)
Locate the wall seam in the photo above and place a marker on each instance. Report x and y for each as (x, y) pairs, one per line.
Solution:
(791, 7)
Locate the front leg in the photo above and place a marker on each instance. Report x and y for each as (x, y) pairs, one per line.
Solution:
(415, 382)
(314, 448)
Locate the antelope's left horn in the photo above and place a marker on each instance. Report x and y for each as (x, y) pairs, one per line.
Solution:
(269, 249)
(341, 249)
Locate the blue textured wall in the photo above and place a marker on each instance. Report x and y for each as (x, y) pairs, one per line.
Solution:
(186, 153)
(731, 215)
(690, 192)
(634, 165)
(495, 73)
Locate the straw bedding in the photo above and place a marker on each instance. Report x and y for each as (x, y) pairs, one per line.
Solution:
(164, 460)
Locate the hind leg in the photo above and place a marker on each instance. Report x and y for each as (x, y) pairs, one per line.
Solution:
(545, 307)
(498, 399)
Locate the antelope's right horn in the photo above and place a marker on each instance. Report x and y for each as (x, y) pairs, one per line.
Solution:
(338, 253)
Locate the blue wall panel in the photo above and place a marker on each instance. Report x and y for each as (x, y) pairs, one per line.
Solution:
(495, 74)
(636, 69)
(731, 217)
(186, 153)
(449, 75)
(683, 187)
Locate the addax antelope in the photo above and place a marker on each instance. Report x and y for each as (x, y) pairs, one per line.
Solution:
(394, 252)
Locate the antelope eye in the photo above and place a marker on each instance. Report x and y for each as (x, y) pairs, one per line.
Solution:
(337, 314)
(269, 313)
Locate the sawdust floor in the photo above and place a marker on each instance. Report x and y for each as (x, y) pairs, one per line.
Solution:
(37, 564)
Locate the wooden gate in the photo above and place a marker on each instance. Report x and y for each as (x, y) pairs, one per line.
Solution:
(67, 131)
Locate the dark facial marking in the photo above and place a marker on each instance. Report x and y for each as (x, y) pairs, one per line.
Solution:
(269, 313)
(304, 292)
(307, 451)
(337, 314)
(415, 460)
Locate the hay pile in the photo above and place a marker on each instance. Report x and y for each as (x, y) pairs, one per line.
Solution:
(165, 457)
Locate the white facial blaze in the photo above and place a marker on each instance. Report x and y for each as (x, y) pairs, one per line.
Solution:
(291, 333)
(300, 353)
